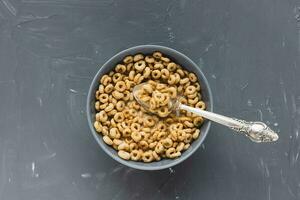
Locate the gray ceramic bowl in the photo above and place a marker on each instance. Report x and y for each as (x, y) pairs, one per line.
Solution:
(186, 63)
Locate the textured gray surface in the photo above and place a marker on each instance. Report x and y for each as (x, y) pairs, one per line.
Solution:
(50, 50)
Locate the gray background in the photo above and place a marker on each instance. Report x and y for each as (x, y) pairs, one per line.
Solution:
(50, 50)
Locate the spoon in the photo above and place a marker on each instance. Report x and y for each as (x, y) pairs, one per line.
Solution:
(256, 131)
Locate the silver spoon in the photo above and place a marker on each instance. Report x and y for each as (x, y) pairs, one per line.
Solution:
(255, 131)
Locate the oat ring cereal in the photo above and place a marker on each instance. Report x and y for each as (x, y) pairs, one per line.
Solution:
(134, 132)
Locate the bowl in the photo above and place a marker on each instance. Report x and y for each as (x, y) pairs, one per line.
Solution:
(177, 57)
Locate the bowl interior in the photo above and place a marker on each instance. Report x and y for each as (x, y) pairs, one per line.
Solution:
(177, 57)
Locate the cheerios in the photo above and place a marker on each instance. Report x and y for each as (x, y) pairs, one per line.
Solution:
(128, 128)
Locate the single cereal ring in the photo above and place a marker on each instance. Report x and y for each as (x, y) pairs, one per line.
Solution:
(198, 121)
(165, 74)
(147, 156)
(120, 127)
(192, 77)
(109, 88)
(126, 132)
(157, 55)
(188, 138)
(163, 111)
(140, 65)
(188, 124)
(129, 84)
(117, 142)
(196, 134)
(135, 127)
(190, 90)
(149, 121)
(131, 75)
(172, 92)
(165, 59)
(128, 59)
(119, 117)
(127, 96)
(114, 133)
(135, 155)
(175, 155)
(123, 154)
(193, 101)
(180, 146)
(136, 136)
(155, 156)
(105, 79)
(172, 79)
(120, 68)
(117, 77)
(103, 106)
(97, 94)
(172, 67)
(147, 72)
(158, 66)
(138, 57)
(102, 116)
(143, 144)
(184, 81)
(159, 148)
(170, 151)
(177, 78)
(175, 144)
(123, 146)
(98, 126)
(161, 127)
(152, 144)
(186, 146)
(120, 105)
(111, 73)
(120, 86)
(136, 78)
(133, 146)
(110, 107)
(200, 105)
(140, 79)
(179, 89)
(173, 135)
(181, 135)
(161, 135)
(97, 105)
(147, 88)
(149, 59)
(107, 140)
(156, 74)
(118, 95)
(192, 96)
(180, 72)
(197, 86)
(103, 98)
(104, 130)
(101, 89)
(167, 143)
(129, 66)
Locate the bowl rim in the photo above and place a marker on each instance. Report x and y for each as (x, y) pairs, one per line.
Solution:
(96, 135)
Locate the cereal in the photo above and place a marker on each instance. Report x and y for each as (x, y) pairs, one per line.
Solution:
(123, 154)
(135, 155)
(127, 127)
(107, 140)
(128, 59)
(120, 68)
(147, 156)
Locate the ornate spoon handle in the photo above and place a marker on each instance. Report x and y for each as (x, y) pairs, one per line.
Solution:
(255, 131)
